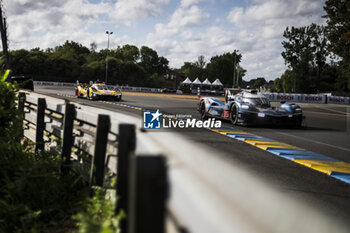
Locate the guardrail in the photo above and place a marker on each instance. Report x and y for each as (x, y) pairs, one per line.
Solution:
(164, 182)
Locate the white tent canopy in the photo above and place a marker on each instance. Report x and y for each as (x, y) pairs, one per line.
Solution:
(197, 81)
(217, 83)
(187, 81)
(206, 82)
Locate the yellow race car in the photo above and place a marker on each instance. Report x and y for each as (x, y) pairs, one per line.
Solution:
(97, 91)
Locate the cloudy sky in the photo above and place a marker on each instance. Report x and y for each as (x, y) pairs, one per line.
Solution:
(180, 30)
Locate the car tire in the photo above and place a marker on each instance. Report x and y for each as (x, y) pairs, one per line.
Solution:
(298, 122)
(202, 111)
(234, 114)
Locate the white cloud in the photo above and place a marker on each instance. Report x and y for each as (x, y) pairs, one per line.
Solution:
(179, 40)
(187, 3)
(189, 31)
(129, 11)
(187, 16)
(43, 23)
(256, 31)
(265, 22)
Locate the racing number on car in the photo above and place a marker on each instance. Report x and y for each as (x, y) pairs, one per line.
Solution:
(226, 114)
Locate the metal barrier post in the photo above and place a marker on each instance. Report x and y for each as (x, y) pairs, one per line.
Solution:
(40, 125)
(103, 127)
(21, 101)
(148, 193)
(126, 147)
(67, 137)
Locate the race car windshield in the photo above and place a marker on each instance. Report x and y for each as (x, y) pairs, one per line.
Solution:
(102, 87)
(257, 101)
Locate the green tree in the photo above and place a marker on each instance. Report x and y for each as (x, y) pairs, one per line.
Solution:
(93, 71)
(305, 53)
(240, 74)
(298, 55)
(151, 62)
(277, 85)
(257, 83)
(200, 67)
(126, 72)
(338, 33)
(222, 67)
(195, 69)
(73, 51)
(129, 53)
(189, 70)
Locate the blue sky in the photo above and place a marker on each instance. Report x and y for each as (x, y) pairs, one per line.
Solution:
(179, 30)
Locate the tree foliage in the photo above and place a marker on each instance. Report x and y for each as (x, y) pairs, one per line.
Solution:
(224, 67)
(151, 62)
(338, 33)
(318, 57)
(221, 67)
(195, 69)
(34, 197)
(72, 61)
(305, 53)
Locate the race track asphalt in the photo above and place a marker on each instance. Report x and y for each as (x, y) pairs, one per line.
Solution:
(325, 130)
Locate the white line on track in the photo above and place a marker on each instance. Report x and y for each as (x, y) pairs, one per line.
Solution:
(329, 114)
(332, 110)
(317, 142)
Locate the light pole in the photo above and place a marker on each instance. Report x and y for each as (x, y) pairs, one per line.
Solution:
(108, 34)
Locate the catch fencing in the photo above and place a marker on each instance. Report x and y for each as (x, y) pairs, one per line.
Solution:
(165, 183)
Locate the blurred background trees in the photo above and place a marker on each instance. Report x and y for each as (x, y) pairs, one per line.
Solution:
(318, 56)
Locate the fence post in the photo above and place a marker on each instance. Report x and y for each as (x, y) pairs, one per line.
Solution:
(126, 147)
(40, 124)
(21, 101)
(97, 174)
(148, 194)
(67, 137)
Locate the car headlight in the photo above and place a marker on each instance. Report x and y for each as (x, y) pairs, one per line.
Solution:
(297, 109)
(245, 106)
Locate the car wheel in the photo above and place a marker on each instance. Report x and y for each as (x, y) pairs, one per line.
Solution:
(234, 114)
(298, 122)
(202, 111)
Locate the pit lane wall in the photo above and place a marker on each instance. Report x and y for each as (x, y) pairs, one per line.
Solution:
(307, 98)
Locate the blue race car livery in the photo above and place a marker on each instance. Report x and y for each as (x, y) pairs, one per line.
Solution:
(251, 108)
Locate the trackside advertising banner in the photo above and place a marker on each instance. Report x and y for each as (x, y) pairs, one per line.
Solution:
(338, 100)
(301, 98)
